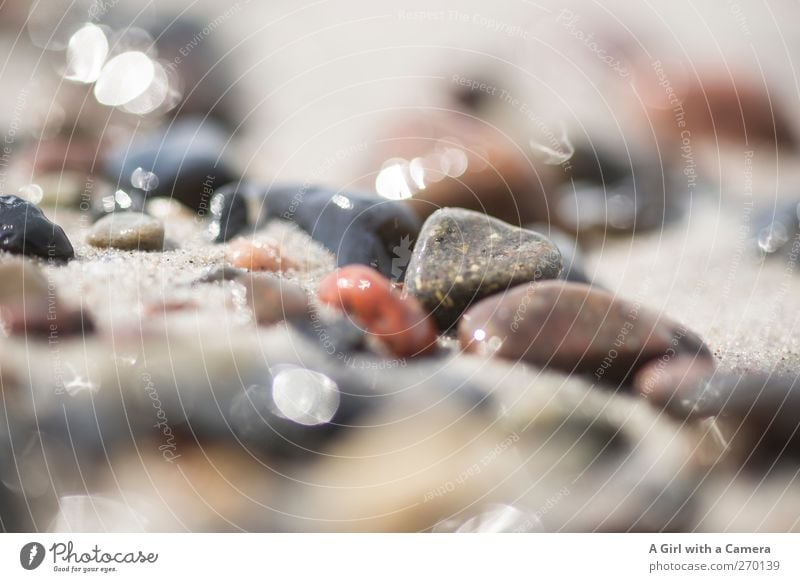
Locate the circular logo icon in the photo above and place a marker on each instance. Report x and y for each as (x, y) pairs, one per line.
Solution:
(31, 555)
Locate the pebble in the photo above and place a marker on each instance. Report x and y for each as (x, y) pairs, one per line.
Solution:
(463, 256)
(609, 193)
(357, 227)
(228, 213)
(669, 383)
(758, 408)
(397, 322)
(29, 306)
(442, 159)
(128, 231)
(25, 230)
(273, 300)
(186, 157)
(575, 328)
(259, 254)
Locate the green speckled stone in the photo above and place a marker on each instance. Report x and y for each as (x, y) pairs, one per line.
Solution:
(462, 256)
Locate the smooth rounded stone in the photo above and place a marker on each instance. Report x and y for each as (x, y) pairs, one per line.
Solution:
(397, 322)
(273, 299)
(463, 256)
(575, 328)
(571, 256)
(259, 254)
(667, 381)
(25, 230)
(612, 193)
(444, 159)
(128, 231)
(358, 227)
(228, 212)
(186, 156)
(759, 409)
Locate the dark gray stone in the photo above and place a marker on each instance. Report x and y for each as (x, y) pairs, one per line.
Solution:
(463, 256)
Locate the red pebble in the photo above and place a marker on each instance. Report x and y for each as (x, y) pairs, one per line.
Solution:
(399, 322)
(258, 255)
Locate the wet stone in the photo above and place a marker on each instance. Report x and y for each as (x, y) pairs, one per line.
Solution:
(357, 227)
(759, 408)
(128, 231)
(397, 322)
(25, 230)
(273, 299)
(463, 256)
(671, 383)
(228, 213)
(577, 329)
(186, 158)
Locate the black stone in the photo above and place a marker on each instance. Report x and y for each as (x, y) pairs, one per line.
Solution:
(229, 211)
(358, 227)
(463, 256)
(187, 156)
(25, 230)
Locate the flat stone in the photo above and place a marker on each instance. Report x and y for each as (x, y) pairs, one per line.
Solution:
(575, 328)
(463, 256)
(128, 231)
(358, 227)
(25, 230)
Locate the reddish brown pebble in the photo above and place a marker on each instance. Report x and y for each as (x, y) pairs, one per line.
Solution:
(256, 254)
(575, 328)
(671, 382)
(273, 300)
(399, 322)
